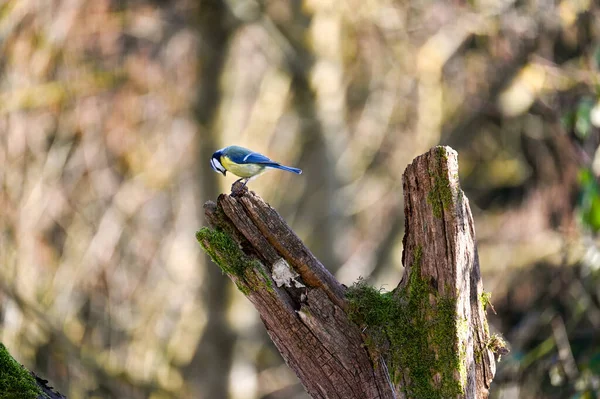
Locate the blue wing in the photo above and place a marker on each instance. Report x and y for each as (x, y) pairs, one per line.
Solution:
(255, 157)
(241, 155)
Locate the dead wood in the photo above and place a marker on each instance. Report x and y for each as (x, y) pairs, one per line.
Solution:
(427, 338)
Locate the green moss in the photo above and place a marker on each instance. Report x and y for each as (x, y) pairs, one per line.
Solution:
(440, 197)
(268, 282)
(478, 354)
(223, 250)
(415, 336)
(463, 333)
(15, 381)
(226, 254)
(244, 289)
(497, 344)
(484, 299)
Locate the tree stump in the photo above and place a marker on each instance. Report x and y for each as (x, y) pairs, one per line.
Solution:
(428, 338)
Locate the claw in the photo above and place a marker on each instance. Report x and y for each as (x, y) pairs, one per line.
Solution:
(239, 188)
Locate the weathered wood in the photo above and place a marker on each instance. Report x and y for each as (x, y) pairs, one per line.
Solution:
(439, 220)
(306, 320)
(427, 338)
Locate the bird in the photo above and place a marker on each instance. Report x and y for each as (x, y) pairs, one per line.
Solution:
(244, 163)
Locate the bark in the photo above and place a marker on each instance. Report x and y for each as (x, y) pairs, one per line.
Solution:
(48, 391)
(427, 338)
(439, 220)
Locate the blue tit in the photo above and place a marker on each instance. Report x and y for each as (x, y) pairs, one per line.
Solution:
(244, 163)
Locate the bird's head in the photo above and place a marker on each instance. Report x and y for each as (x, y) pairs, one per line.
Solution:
(215, 162)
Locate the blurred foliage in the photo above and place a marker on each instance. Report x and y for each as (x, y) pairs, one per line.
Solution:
(109, 111)
(589, 203)
(580, 120)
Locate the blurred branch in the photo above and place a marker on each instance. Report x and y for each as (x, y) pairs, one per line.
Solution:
(383, 253)
(216, 26)
(83, 355)
(521, 42)
(54, 93)
(565, 353)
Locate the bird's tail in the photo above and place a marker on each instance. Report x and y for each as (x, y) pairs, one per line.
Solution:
(286, 168)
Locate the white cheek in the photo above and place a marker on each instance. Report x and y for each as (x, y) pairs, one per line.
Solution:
(217, 165)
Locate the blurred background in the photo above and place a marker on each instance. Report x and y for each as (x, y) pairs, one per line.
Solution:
(110, 110)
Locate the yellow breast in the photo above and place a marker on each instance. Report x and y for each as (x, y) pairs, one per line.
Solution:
(241, 170)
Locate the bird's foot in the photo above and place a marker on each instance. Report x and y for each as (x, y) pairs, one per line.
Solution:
(238, 188)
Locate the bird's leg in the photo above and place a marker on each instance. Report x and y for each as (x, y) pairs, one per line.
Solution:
(235, 183)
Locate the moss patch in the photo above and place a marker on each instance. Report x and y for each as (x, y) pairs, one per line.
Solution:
(257, 278)
(226, 254)
(15, 380)
(415, 337)
(223, 250)
(497, 345)
(485, 299)
(440, 197)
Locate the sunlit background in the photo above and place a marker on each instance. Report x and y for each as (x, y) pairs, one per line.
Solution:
(110, 110)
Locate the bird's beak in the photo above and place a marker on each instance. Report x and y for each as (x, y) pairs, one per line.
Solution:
(224, 172)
